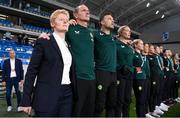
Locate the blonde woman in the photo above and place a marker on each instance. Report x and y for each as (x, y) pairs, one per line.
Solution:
(52, 63)
(139, 83)
(125, 70)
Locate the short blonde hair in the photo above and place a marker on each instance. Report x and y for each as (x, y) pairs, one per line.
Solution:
(56, 13)
(122, 28)
(136, 41)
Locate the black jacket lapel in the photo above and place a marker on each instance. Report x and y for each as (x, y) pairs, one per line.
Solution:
(55, 45)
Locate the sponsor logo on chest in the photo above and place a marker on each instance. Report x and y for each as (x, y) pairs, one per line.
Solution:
(77, 32)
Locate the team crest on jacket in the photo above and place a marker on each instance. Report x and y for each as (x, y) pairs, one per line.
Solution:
(154, 83)
(100, 87)
(118, 82)
(140, 88)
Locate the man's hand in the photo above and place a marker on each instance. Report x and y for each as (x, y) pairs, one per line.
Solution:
(27, 110)
(72, 22)
(21, 82)
(44, 36)
(4, 83)
(138, 70)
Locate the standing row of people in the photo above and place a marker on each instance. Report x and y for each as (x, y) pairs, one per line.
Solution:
(81, 73)
(156, 79)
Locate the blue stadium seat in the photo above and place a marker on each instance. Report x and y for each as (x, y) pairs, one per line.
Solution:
(6, 23)
(30, 27)
(22, 52)
(5, 2)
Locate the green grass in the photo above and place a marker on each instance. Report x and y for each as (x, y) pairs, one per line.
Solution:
(14, 113)
(133, 107)
(174, 111)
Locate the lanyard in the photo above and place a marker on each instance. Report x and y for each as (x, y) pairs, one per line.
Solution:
(177, 67)
(142, 60)
(159, 63)
(145, 58)
(172, 63)
(161, 59)
(168, 62)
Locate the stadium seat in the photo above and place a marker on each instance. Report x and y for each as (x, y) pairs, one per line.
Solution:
(22, 52)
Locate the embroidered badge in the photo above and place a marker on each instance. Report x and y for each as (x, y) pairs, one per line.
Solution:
(118, 82)
(100, 87)
(140, 88)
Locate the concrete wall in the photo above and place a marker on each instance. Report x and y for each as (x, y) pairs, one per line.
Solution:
(167, 24)
(152, 33)
(156, 37)
(174, 47)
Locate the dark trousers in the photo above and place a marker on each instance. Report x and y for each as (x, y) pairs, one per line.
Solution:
(64, 106)
(140, 90)
(106, 90)
(148, 85)
(164, 93)
(9, 84)
(124, 90)
(177, 84)
(170, 81)
(155, 90)
(161, 90)
(85, 104)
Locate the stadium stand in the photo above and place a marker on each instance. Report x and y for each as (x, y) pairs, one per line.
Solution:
(36, 11)
(22, 52)
(5, 2)
(2, 88)
(30, 27)
(6, 23)
(31, 17)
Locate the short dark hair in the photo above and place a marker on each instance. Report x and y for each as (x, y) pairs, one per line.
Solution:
(165, 50)
(105, 14)
(77, 8)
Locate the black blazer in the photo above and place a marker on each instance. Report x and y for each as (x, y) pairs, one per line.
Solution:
(7, 70)
(47, 64)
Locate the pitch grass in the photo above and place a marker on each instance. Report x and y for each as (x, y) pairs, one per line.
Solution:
(174, 111)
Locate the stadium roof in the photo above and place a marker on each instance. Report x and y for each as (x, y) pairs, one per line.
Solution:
(135, 13)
